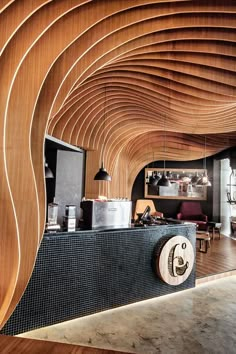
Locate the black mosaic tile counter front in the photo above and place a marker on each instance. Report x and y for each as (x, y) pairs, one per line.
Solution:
(81, 273)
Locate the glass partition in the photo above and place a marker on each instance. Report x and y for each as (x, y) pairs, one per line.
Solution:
(183, 184)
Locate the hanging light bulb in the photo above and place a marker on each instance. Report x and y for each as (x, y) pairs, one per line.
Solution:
(164, 181)
(102, 174)
(204, 180)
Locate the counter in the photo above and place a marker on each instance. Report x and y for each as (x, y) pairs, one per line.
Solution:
(84, 272)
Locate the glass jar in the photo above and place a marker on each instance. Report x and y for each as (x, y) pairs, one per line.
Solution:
(52, 213)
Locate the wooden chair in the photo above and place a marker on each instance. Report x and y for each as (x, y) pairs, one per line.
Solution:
(141, 204)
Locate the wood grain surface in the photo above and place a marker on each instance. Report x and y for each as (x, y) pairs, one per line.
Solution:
(220, 257)
(14, 345)
(106, 76)
(175, 262)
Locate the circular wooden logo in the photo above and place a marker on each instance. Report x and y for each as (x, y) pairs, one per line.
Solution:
(175, 261)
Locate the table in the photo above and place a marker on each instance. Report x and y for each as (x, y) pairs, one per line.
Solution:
(214, 227)
(204, 239)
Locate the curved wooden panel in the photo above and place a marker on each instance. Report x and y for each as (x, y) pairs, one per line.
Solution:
(15, 16)
(106, 76)
(29, 202)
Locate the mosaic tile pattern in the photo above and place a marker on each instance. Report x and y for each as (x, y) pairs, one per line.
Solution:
(83, 273)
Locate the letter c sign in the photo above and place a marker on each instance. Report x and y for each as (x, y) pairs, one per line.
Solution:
(175, 261)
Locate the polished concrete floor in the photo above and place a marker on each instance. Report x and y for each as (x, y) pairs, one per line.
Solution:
(200, 320)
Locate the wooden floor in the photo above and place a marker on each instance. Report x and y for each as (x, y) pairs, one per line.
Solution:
(14, 345)
(220, 257)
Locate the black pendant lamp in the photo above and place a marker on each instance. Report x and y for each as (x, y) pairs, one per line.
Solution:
(154, 178)
(102, 174)
(151, 180)
(164, 181)
(47, 171)
(204, 180)
(195, 179)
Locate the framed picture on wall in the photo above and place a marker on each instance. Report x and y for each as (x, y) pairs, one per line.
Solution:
(182, 184)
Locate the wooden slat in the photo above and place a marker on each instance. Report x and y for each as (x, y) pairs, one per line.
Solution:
(13, 345)
(65, 63)
(27, 197)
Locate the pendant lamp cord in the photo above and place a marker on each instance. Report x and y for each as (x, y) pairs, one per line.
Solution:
(205, 154)
(164, 144)
(104, 117)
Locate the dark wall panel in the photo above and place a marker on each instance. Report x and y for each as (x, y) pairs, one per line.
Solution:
(69, 181)
(51, 158)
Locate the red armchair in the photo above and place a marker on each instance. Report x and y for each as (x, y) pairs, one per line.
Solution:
(192, 211)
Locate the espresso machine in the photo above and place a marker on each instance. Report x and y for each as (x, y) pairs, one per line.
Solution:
(106, 213)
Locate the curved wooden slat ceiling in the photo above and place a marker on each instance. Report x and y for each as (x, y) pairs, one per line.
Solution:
(110, 77)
